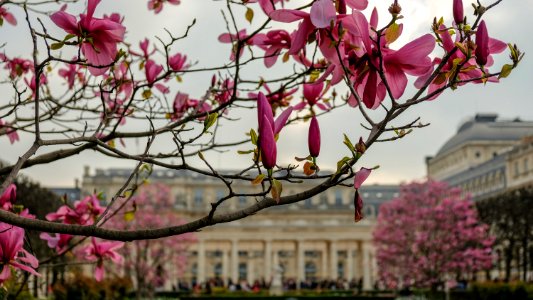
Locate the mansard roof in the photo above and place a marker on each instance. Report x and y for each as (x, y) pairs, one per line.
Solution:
(487, 127)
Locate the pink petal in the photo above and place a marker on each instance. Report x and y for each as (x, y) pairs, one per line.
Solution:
(225, 38)
(5, 274)
(415, 50)
(287, 15)
(10, 18)
(397, 81)
(29, 259)
(301, 35)
(323, 13)
(267, 144)
(374, 18)
(496, 46)
(360, 177)
(312, 91)
(99, 272)
(357, 4)
(264, 109)
(65, 21)
(25, 268)
(282, 120)
(313, 138)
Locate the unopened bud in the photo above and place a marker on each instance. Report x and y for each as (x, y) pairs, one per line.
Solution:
(395, 8)
(458, 12)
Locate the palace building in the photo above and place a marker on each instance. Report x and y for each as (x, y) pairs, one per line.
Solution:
(313, 240)
(487, 156)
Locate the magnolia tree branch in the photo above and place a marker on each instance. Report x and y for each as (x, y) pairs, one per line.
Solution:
(101, 97)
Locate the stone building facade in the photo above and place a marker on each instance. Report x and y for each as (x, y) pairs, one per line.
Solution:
(487, 156)
(316, 239)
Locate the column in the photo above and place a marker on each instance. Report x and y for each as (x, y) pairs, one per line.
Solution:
(267, 259)
(275, 259)
(367, 282)
(234, 261)
(251, 272)
(325, 262)
(333, 263)
(300, 262)
(359, 261)
(349, 262)
(201, 262)
(225, 265)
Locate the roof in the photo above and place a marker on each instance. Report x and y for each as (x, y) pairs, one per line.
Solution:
(487, 127)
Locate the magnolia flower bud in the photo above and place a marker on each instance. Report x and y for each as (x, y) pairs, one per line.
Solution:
(482, 44)
(458, 13)
(313, 140)
(395, 8)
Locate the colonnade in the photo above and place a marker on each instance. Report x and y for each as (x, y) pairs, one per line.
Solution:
(298, 259)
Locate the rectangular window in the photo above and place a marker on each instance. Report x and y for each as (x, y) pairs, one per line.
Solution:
(526, 165)
(516, 169)
(338, 198)
(198, 198)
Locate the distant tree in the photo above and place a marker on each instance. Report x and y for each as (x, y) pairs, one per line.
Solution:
(152, 262)
(428, 234)
(510, 218)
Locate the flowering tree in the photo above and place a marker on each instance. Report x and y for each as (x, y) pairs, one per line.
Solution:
(148, 261)
(429, 234)
(117, 90)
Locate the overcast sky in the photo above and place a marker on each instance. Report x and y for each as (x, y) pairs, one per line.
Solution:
(400, 161)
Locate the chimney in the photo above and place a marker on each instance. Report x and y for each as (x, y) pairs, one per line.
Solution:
(86, 171)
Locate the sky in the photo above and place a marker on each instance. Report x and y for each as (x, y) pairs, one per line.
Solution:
(400, 161)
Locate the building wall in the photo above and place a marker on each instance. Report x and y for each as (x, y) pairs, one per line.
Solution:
(315, 239)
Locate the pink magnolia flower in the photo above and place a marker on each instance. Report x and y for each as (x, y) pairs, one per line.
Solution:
(152, 70)
(229, 38)
(11, 133)
(12, 254)
(469, 69)
(7, 16)
(177, 62)
(17, 66)
(121, 80)
(321, 16)
(312, 93)
(8, 196)
(411, 59)
(100, 250)
(58, 241)
(182, 103)
(157, 5)
(268, 128)
(276, 98)
(32, 84)
(100, 36)
(313, 138)
(224, 91)
(84, 212)
(144, 45)
(71, 73)
(273, 42)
